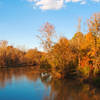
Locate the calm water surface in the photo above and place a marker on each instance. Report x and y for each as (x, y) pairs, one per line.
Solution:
(25, 84)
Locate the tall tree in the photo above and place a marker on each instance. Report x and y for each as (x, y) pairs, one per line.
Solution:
(94, 28)
(77, 41)
(47, 32)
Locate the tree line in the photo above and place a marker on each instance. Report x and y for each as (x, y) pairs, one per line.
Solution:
(14, 57)
(79, 56)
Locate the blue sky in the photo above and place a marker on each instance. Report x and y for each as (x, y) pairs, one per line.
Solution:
(20, 20)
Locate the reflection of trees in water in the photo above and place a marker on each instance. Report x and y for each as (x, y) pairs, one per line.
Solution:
(64, 90)
(59, 89)
(6, 75)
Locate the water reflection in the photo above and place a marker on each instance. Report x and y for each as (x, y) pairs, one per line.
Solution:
(72, 91)
(7, 74)
(27, 84)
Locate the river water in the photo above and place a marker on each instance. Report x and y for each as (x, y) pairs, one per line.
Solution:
(27, 84)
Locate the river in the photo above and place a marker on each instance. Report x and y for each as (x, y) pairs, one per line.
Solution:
(27, 84)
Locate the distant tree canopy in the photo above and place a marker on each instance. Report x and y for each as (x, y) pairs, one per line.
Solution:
(12, 57)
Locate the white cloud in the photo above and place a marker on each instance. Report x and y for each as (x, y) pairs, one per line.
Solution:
(68, 0)
(76, 0)
(73, 0)
(57, 4)
(50, 4)
(96, 0)
(83, 3)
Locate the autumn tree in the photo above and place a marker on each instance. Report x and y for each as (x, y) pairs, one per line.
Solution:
(94, 28)
(10, 56)
(33, 57)
(3, 45)
(61, 57)
(77, 42)
(46, 36)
